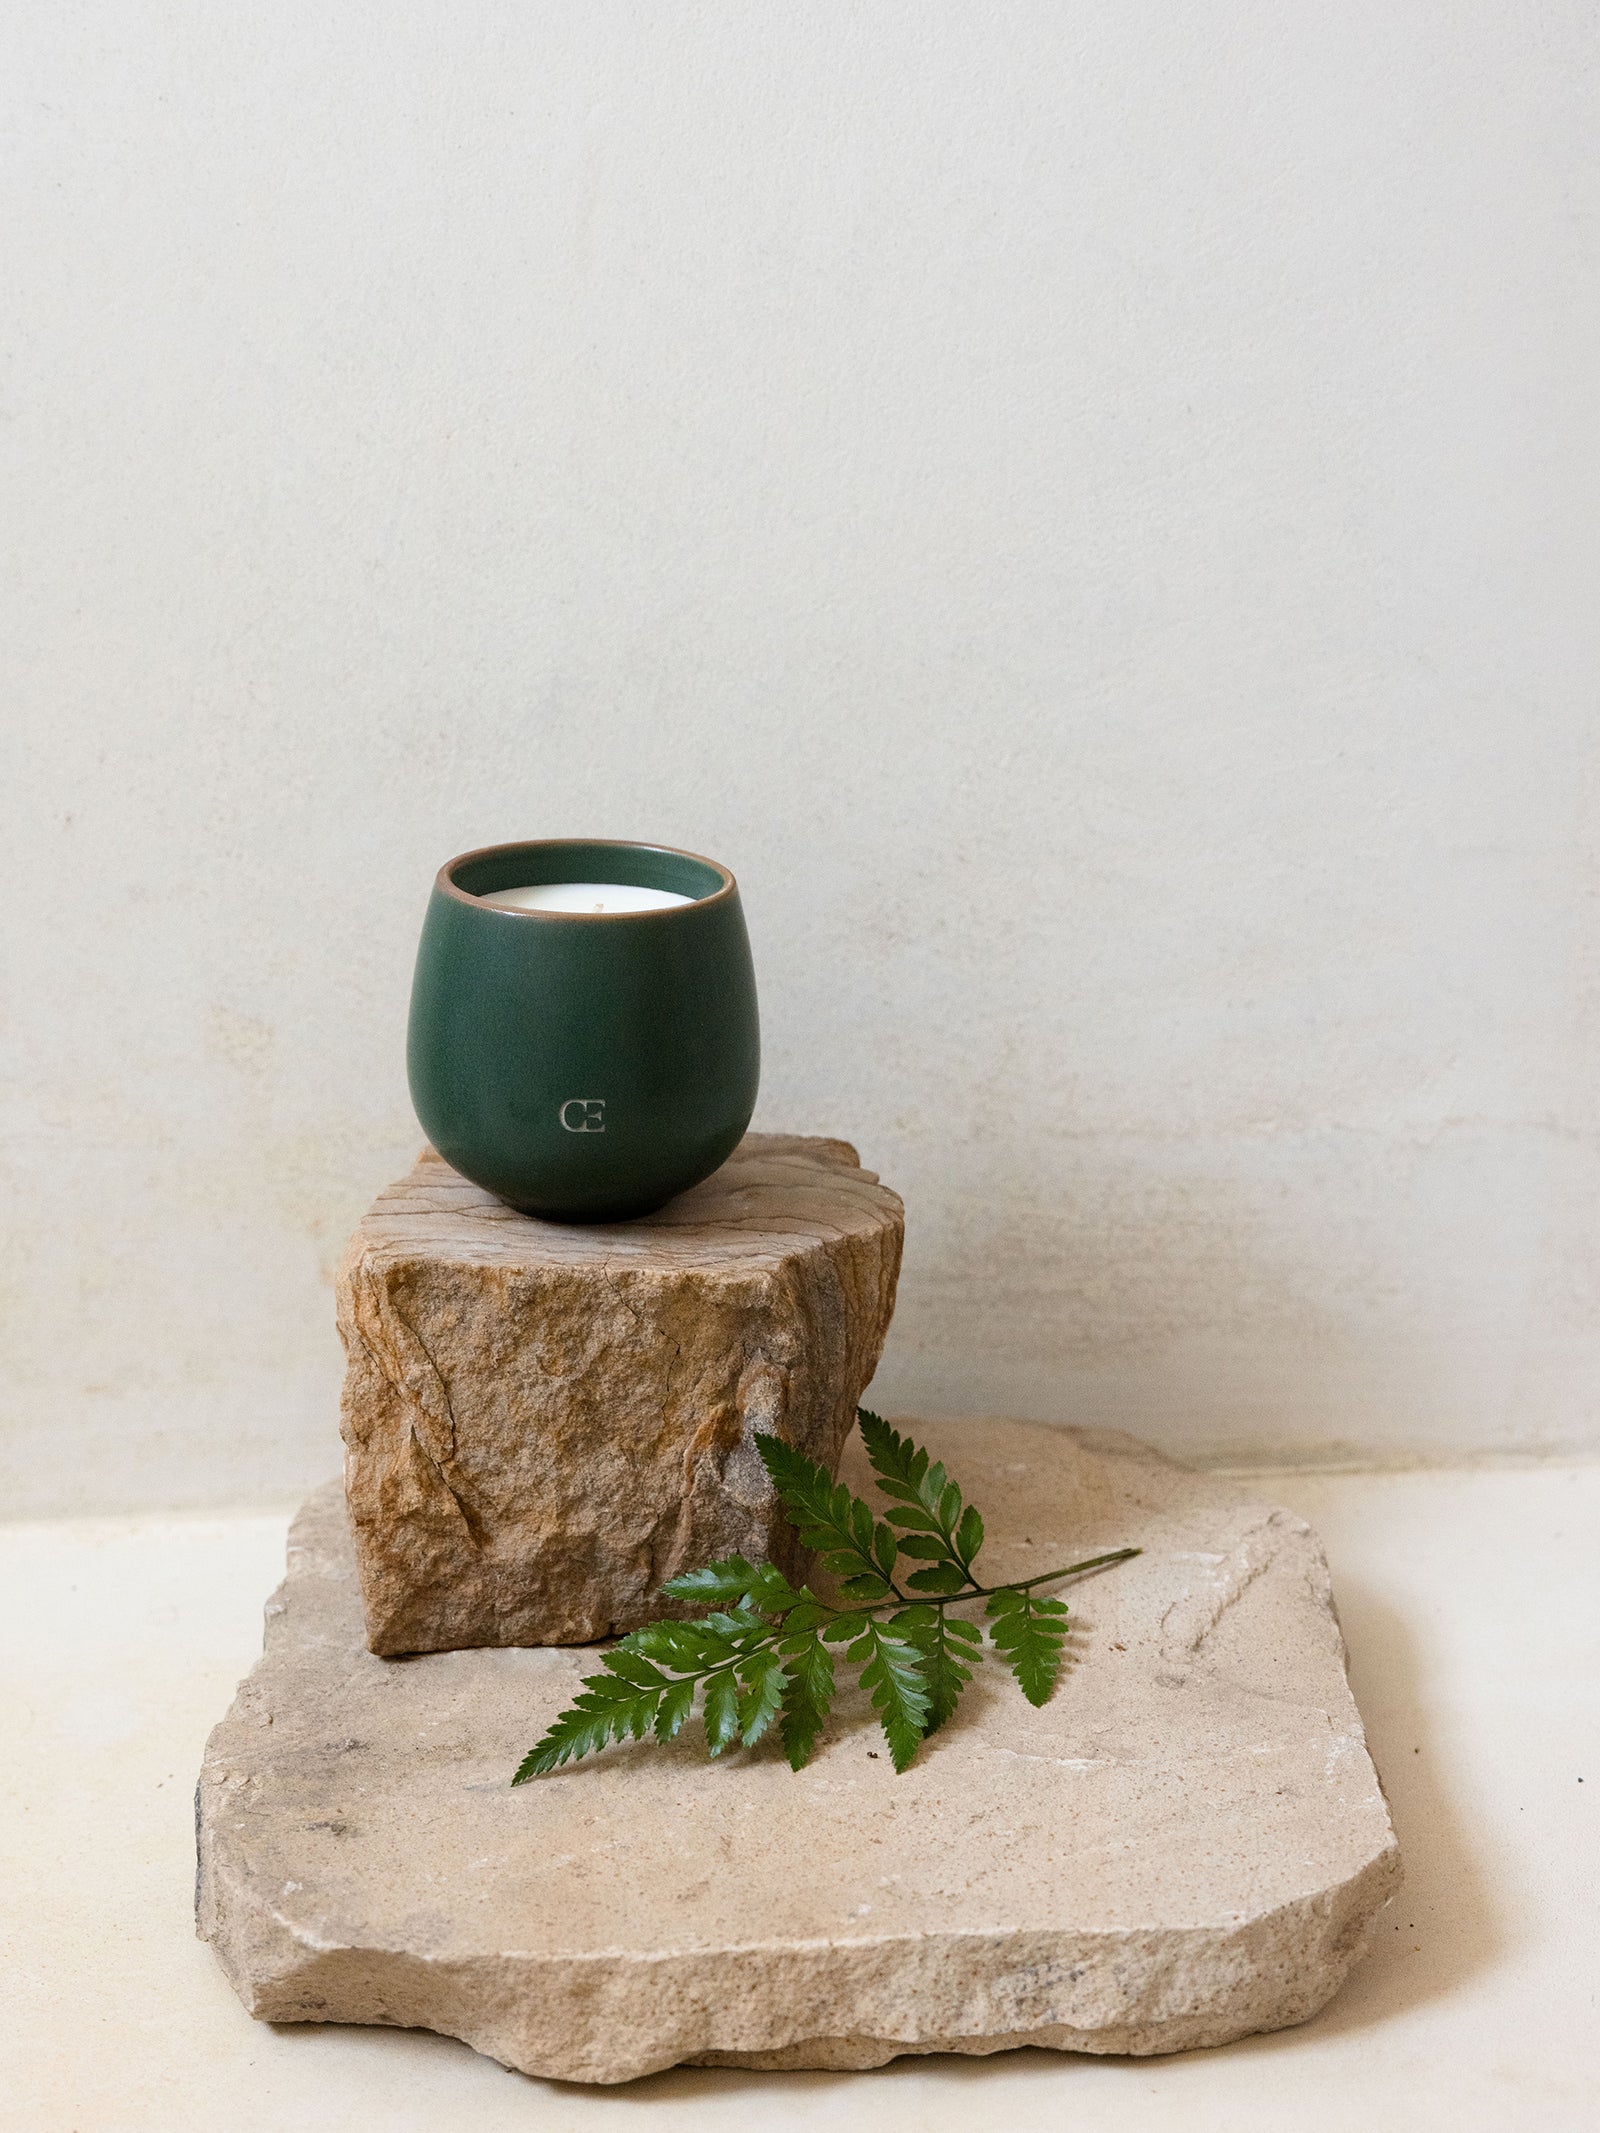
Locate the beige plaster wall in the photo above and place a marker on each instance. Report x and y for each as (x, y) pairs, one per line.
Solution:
(1091, 512)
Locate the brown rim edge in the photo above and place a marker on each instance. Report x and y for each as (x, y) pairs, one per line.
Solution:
(447, 887)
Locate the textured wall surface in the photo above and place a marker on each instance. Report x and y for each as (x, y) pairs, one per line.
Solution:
(1091, 512)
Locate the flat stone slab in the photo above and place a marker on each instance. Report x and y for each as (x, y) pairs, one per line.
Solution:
(544, 1421)
(1188, 1844)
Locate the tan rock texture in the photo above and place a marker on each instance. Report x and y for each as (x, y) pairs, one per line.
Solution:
(1189, 1843)
(543, 1422)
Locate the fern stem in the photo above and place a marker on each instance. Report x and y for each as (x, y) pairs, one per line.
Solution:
(982, 1592)
(1046, 1577)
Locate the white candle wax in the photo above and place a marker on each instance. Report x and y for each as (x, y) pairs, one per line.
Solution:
(584, 896)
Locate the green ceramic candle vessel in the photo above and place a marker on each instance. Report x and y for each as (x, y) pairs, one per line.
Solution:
(585, 1066)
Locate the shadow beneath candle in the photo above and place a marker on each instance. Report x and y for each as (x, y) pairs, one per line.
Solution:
(1131, 1282)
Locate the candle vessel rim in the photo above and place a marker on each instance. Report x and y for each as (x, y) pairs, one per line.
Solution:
(447, 885)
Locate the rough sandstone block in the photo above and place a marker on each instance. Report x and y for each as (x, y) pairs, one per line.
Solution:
(543, 1422)
(1188, 1843)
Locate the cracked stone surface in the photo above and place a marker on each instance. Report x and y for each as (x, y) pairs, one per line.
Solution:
(543, 1421)
(1188, 1844)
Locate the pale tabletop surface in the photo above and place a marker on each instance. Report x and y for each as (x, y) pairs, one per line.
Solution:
(1471, 1601)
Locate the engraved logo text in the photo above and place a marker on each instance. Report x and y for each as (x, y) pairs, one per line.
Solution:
(584, 1114)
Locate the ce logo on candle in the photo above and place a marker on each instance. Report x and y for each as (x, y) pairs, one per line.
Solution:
(583, 1114)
